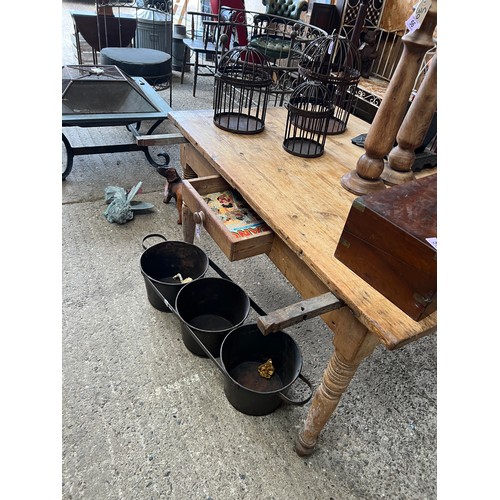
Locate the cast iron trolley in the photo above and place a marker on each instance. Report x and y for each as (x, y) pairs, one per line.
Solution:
(104, 96)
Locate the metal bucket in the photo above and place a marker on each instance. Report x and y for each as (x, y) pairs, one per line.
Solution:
(243, 350)
(246, 347)
(210, 308)
(161, 262)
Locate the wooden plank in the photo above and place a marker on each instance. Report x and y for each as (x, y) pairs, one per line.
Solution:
(209, 184)
(160, 139)
(295, 313)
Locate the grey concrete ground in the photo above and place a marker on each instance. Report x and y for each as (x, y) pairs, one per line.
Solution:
(144, 418)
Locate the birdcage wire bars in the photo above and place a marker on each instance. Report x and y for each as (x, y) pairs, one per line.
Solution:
(334, 61)
(241, 91)
(309, 112)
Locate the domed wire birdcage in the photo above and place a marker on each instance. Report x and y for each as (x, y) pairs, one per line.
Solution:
(309, 112)
(241, 93)
(334, 61)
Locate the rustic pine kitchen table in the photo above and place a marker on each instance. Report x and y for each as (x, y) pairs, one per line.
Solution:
(304, 204)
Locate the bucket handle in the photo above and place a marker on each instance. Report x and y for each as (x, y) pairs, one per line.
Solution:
(298, 403)
(156, 235)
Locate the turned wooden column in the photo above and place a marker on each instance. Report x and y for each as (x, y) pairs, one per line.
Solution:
(382, 133)
(412, 133)
(353, 342)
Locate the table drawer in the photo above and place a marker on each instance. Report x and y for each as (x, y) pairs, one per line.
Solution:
(230, 221)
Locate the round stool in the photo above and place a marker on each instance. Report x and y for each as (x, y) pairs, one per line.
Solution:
(151, 64)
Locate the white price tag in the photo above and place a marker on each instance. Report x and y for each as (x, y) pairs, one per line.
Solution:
(412, 24)
(433, 242)
(197, 231)
(415, 20)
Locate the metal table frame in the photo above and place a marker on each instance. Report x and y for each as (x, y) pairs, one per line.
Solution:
(131, 120)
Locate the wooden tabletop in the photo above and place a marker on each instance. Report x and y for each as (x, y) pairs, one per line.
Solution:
(302, 200)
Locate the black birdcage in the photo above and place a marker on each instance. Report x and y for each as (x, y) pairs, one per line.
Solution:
(334, 61)
(309, 112)
(241, 95)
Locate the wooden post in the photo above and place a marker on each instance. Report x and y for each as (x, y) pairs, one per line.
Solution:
(412, 132)
(382, 133)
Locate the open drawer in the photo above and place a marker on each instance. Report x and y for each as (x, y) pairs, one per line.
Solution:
(230, 221)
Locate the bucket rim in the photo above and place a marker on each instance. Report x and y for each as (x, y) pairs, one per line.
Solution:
(222, 330)
(276, 391)
(175, 242)
(201, 253)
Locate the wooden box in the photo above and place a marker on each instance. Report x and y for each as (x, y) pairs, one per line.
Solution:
(235, 243)
(385, 241)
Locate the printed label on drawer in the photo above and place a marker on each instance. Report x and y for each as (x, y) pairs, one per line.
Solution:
(236, 215)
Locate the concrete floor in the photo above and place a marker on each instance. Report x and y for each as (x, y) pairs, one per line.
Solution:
(144, 418)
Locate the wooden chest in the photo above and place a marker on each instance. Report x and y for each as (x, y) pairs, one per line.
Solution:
(390, 240)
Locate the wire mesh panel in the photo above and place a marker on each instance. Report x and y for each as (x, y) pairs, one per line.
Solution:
(309, 111)
(241, 92)
(334, 61)
(282, 40)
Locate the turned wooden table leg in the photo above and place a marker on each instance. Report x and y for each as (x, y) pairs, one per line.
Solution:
(382, 133)
(411, 135)
(353, 342)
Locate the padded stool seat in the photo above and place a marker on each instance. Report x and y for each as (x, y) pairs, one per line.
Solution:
(150, 64)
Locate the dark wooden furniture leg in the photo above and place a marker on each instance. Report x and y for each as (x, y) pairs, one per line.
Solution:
(353, 343)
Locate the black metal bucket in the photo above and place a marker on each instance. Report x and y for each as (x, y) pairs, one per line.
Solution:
(210, 307)
(243, 350)
(161, 262)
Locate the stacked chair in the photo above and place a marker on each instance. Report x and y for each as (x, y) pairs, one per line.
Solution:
(282, 40)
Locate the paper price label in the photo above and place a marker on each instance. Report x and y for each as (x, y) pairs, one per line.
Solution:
(433, 242)
(412, 24)
(415, 20)
(197, 231)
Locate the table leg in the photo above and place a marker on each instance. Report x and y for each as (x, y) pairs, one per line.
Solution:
(188, 224)
(353, 343)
